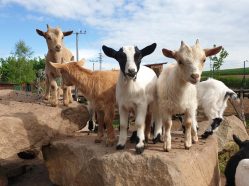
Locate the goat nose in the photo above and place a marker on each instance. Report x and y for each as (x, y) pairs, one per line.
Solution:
(132, 70)
(58, 47)
(195, 76)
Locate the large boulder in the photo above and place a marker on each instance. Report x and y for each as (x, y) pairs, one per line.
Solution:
(25, 126)
(78, 161)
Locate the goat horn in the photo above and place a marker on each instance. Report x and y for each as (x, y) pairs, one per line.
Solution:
(197, 42)
(48, 27)
(182, 43)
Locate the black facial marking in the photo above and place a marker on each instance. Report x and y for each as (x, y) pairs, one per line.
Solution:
(122, 59)
(137, 58)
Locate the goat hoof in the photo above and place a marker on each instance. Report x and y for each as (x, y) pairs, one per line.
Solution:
(166, 149)
(187, 148)
(139, 150)
(120, 147)
(157, 139)
(206, 134)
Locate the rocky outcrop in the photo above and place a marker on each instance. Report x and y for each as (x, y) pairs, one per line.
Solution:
(78, 161)
(28, 126)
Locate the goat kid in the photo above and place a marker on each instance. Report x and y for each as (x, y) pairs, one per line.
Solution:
(98, 87)
(135, 91)
(176, 89)
(57, 53)
(212, 97)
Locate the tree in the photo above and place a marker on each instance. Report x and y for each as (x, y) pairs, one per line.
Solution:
(22, 50)
(20, 68)
(218, 61)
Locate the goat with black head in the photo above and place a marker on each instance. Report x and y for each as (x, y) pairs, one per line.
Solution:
(135, 90)
(237, 168)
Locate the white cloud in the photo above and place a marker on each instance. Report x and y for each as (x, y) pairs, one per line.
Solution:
(168, 22)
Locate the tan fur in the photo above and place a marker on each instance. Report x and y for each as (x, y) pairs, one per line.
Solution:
(54, 38)
(99, 88)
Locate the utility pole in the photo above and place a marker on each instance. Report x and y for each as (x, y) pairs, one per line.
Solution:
(93, 61)
(77, 59)
(100, 60)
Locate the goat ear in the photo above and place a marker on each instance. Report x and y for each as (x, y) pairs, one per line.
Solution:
(56, 65)
(109, 51)
(81, 62)
(67, 33)
(41, 33)
(212, 51)
(168, 53)
(237, 140)
(148, 50)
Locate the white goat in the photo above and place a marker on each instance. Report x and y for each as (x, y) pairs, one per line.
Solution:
(135, 91)
(212, 97)
(177, 91)
(57, 53)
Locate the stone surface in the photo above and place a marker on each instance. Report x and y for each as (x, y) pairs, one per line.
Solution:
(78, 161)
(230, 125)
(25, 125)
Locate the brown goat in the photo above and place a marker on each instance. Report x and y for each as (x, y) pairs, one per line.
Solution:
(57, 53)
(99, 88)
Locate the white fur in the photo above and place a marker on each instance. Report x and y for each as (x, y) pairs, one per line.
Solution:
(211, 94)
(176, 96)
(135, 95)
(177, 91)
(242, 173)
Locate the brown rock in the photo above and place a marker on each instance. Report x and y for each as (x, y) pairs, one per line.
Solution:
(78, 161)
(25, 126)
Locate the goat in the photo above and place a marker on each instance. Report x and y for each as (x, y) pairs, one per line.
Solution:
(136, 90)
(98, 87)
(237, 168)
(57, 52)
(212, 97)
(176, 89)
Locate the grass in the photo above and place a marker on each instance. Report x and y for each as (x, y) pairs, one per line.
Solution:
(236, 71)
(230, 149)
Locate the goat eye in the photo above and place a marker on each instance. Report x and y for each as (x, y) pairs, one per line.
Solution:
(62, 37)
(180, 62)
(204, 60)
(49, 38)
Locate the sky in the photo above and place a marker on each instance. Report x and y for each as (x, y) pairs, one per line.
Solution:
(118, 23)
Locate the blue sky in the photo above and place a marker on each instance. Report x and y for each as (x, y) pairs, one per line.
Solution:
(117, 23)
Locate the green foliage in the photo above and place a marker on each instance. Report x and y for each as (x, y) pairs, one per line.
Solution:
(22, 50)
(218, 60)
(229, 150)
(19, 68)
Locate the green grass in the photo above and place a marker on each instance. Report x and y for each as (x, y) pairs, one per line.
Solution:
(236, 71)
(230, 149)
(231, 82)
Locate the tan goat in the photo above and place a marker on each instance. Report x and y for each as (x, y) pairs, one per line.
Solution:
(57, 53)
(99, 88)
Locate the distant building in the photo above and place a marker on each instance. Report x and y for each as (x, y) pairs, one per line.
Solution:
(157, 67)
